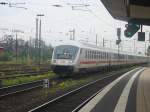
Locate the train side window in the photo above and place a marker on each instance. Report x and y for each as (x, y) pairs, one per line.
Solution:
(98, 54)
(81, 51)
(89, 54)
(94, 54)
(86, 54)
(101, 55)
(115, 56)
(108, 56)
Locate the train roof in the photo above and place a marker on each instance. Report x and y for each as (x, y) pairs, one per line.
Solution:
(94, 47)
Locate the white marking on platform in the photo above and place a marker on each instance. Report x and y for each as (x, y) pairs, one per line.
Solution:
(89, 106)
(122, 102)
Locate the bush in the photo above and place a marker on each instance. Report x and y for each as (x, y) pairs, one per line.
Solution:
(5, 57)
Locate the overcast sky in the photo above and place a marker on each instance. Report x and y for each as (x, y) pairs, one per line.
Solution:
(57, 21)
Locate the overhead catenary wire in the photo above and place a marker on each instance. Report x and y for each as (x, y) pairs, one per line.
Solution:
(84, 7)
(15, 5)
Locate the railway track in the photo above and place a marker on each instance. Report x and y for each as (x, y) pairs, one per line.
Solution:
(29, 73)
(73, 100)
(13, 70)
(5, 91)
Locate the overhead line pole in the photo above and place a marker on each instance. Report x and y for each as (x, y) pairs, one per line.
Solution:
(39, 41)
(36, 39)
(72, 34)
(96, 39)
(16, 48)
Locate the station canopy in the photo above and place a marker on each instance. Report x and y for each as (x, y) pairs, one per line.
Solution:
(137, 11)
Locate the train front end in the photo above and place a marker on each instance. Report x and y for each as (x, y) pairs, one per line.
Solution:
(64, 59)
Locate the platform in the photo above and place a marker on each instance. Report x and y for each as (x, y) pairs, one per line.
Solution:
(128, 93)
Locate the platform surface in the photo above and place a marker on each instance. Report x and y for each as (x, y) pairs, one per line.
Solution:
(143, 92)
(128, 93)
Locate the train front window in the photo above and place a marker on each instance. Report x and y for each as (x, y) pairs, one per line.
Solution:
(65, 52)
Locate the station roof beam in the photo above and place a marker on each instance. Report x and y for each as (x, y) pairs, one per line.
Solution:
(129, 10)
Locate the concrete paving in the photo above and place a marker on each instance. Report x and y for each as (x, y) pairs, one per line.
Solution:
(128, 93)
(143, 92)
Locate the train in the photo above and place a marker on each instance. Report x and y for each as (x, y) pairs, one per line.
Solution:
(77, 57)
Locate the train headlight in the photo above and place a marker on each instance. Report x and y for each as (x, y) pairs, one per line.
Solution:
(71, 61)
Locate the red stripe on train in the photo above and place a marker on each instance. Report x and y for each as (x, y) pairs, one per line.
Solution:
(92, 62)
(88, 62)
(98, 62)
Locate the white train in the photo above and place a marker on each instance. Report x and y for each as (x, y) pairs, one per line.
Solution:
(75, 57)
